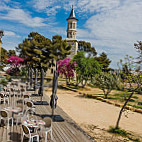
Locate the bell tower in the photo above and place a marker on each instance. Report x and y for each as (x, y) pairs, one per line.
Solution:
(71, 32)
(72, 24)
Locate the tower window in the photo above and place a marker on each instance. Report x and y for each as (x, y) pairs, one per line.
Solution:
(73, 25)
(70, 25)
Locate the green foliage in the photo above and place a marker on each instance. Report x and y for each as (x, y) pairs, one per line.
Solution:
(23, 71)
(140, 103)
(60, 48)
(123, 133)
(130, 74)
(11, 53)
(118, 131)
(4, 55)
(4, 82)
(86, 67)
(138, 46)
(106, 82)
(104, 61)
(86, 47)
(136, 106)
(36, 50)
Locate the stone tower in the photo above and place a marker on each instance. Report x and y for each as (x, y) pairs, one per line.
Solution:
(71, 33)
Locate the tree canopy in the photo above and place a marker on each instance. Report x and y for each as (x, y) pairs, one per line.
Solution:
(86, 67)
(60, 48)
(104, 61)
(36, 50)
(138, 46)
(86, 47)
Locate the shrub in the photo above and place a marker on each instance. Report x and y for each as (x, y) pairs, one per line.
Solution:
(106, 82)
(118, 131)
(3, 82)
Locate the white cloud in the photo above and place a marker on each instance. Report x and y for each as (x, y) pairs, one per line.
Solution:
(81, 6)
(49, 6)
(10, 33)
(115, 30)
(22, 17)
(53, 11)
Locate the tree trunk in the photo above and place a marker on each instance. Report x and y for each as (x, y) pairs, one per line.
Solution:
(66, 80)
(40, 92)
(83, 84)
(31, 78)
(35, 83)
(121, 111)
(106, 95)
(29, 74)
(42, 83)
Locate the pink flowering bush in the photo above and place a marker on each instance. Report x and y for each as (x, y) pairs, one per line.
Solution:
(66, 68)
(15, 63)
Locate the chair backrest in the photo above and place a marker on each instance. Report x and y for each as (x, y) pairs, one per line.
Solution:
(22, 90)
(26, 96)
(25, 129)
(47, 121)
(12, 90)
(1, 95)
(4, 114)
(18, 91)
(30, 104)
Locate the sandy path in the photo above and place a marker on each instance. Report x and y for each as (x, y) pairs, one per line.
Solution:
(91, 111)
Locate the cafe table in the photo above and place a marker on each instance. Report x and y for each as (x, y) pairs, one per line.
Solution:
(33, 123)
(13, 110)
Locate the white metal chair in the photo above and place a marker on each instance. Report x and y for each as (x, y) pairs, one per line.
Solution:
(5, 116)
(26, 99)
(31, 106)
(4, 98)
(47, 128)
(26, 131)
(20, 116)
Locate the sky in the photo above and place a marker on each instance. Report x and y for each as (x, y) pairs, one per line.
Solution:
(112, 26)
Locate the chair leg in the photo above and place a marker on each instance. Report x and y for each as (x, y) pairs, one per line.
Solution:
(51, 134)
(17, 121)
(37, 138)
(22, 138)
(12, 122)
(45, 136)
(8, 124)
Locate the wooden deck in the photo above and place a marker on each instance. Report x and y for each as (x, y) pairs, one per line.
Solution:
(63, 131)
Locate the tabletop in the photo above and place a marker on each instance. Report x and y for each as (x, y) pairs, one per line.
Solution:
(33, 123)
(14, 110)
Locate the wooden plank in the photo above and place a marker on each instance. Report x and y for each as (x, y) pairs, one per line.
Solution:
(62, 131)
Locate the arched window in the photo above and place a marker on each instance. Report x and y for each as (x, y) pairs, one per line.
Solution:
(73, 25)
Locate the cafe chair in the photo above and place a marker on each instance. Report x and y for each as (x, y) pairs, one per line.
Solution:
(4, 98)
(47, 128)
(26, 132)
(5, 116)
(20, 115)
(30, 106)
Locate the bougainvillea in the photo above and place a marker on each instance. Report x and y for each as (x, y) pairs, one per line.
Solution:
(15, 61)
(66, 68)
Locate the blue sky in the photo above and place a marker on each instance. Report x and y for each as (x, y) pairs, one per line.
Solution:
(112, 26)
